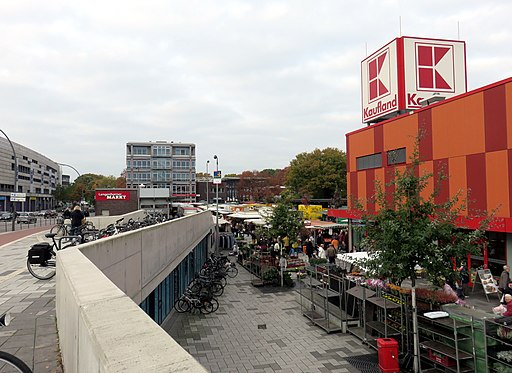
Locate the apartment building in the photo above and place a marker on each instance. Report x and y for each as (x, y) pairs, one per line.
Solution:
(163, 164)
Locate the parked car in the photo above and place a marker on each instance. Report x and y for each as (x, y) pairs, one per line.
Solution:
(6, 216)
(25, 217)
(50, 214)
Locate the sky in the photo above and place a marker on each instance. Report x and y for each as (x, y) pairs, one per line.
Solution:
(253, 82)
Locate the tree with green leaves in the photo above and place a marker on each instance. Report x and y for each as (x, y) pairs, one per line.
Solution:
(318, 174)
(411, 229)
(285, 221)
(84, 187)
(260, 186)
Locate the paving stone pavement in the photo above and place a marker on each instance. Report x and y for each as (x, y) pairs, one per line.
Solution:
(257, 331)
(32, 334)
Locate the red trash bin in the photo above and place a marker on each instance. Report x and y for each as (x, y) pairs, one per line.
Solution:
(388, 355)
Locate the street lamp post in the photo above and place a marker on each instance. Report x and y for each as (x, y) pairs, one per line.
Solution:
(207, 184)
(217, 208)
(15, 180)
(68, 165)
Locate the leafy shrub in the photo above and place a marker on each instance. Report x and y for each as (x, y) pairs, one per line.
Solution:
(315, 261)
(270, 275)
(287, 280)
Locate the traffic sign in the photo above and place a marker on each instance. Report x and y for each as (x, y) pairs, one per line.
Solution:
(18, 197)
(217, 177)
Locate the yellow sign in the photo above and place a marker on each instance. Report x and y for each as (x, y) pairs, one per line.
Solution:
(311, 212)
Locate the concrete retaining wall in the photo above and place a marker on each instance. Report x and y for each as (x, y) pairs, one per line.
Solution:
(101, 328)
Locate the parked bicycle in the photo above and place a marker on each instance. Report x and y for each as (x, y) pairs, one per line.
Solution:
(42, 256)
(220, 265)
(209, 284)
(203, 302)
(61, 229)
(8, 362)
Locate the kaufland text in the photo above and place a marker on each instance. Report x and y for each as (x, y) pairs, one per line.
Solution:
(381, 107)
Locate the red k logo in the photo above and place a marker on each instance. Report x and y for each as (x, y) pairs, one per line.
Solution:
(435, 67)
(378, 75)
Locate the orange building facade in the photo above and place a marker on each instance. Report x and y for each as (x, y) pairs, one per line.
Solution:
(467, 137)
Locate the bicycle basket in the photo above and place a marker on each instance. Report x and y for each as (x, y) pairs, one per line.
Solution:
(40, 253)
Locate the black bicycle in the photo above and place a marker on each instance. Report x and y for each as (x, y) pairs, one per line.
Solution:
(42, 256)
(8, 362)
(205, 303)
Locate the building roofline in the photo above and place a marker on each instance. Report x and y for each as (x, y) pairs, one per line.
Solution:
(448, 100)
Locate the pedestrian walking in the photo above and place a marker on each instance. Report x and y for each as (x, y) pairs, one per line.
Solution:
(77, 220)
(331, 254)
(504, 278)
(309, 248)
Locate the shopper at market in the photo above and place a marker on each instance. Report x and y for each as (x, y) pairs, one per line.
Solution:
(286, 243)
(464, 280)
(508, 305)
(276, 249)
(331, 254)
(309, 248)
(320, 252)
(335, 242)
(319, 238)
(295, 248)
(504, 278)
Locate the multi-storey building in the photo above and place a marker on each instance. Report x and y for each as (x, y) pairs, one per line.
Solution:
(227, 189)
(37, 178)
(163, 164)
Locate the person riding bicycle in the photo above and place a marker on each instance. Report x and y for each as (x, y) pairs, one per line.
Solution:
(77, 220)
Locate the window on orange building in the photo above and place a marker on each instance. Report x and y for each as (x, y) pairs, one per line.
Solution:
(369, 161)
(396, 156)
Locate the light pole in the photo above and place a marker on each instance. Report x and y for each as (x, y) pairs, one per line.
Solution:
(68, 165)
(15, 180)
(217, 208)
(207, 184)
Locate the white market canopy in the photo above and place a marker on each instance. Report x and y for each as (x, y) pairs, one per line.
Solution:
(256, 221)
(221, 220)
(320, 224)
(245, 215)
(213, 208)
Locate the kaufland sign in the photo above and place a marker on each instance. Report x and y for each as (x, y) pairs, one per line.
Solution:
(409, 70)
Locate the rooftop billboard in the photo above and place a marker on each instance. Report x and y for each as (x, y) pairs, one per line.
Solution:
(408, 70)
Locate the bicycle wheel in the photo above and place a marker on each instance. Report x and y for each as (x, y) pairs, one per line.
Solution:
(222, 281)
(196, 287)
(206, 307)
(181, 306)
(217, 289)
(44, 270)
(215, 304)
(59, 230)
(232, 272)
(10, 363)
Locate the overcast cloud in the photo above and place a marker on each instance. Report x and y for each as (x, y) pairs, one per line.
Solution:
(255, 82)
